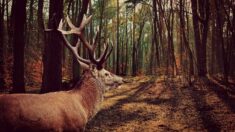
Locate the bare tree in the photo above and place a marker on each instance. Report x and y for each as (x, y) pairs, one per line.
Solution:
(52, 72)
(201, 13)
(155, 33)
(19, 45)
(40, 23)
(184, 39)
(2, 28)
(118, 43)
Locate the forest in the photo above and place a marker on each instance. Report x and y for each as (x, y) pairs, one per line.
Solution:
(159, 65)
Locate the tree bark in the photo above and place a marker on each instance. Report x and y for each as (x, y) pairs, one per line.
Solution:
(30, 23)
(185, 42)
(76, 7)
(19, 45)
(78, 18)
(138, 45)
(155, 33)
(52, 73)
(200, 34)
(134, 49)
(40, 23)
(220, 25)
(2, 73)
(126, 43)
(118, 44)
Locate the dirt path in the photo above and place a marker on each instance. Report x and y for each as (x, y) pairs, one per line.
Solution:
(149, 105)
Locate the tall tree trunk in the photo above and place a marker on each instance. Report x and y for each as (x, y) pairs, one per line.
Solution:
(83, 9)
(134, 49)
(168, 18)
(220, 25)
(162, 34)
(233, 39)
(40, 33)
(91, 24)
(2, 81)
(205, 14)
(126, 42)
(200, 34)
(101, 24)
(171, 35)
(19, 45)
(150, 70)
(76, 7)
(213, 63)
(52, 74)
(122, 55)
(138, 46)
(40, 22)
(185, 42)
(155, 33)
(118, 44)
(10, 26)
(30, 23)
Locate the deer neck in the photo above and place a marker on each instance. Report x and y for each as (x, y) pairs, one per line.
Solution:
(90, 90)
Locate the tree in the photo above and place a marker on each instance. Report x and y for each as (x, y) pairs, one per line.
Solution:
(19, 45)
(101, 4)
(2, 11)
(40, 21)
(127, 40)
(160, 18)
(118, 43)
(73, 9)
(141, 24)
(30, 21)
(223, 31)
(83, 9)
(155, 33)
(52, 72)
(201, 13)
(133, 4)
(184, 40)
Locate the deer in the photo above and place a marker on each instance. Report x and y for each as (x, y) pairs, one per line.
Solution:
(62, 110)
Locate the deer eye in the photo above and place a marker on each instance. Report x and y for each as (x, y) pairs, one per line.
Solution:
(106, 74)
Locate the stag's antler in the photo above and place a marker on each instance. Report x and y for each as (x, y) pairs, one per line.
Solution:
(91, 48)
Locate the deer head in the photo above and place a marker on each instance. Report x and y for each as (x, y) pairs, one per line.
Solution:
(93, 64)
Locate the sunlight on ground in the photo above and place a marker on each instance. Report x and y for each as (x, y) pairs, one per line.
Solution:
(149, 104)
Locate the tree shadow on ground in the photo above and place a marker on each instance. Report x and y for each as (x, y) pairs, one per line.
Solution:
(204, 109)
(114, 116)
(170, 97)
(225, 92)
(198, 98)
(155, 101)
(229, 84)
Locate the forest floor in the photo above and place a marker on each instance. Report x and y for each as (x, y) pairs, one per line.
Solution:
(150, 104)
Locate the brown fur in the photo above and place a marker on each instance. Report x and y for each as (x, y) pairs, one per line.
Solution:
(55, 112)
